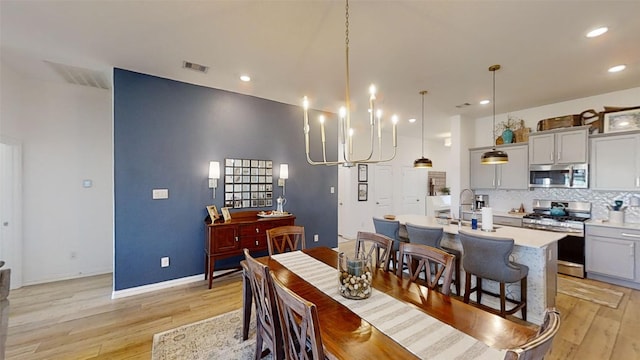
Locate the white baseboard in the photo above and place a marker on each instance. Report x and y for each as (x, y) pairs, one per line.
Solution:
(163, 285)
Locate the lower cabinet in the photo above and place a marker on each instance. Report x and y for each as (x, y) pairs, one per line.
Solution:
(613, 252)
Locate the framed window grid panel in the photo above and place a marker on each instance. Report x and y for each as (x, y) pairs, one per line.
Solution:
(248, 183)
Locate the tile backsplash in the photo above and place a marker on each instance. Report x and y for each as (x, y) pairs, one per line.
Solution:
(505, 200)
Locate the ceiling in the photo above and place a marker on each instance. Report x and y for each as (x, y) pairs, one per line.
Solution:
(297, 48)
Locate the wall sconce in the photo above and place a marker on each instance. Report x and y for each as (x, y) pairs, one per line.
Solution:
(284, 175)
(214, 175)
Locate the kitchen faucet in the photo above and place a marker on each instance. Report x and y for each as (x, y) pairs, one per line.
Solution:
(460, 203)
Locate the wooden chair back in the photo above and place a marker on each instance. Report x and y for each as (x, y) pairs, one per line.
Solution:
(435, 263)
(300, 324)
(537, 347)
(285, 238)
(377, 246)
(268, 329)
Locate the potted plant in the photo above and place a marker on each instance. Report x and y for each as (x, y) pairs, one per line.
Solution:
(445, 190)
(506, 128)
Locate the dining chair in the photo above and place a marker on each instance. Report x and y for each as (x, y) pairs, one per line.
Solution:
(435, 263)
(268, 329)
(390, 229)
(376, 246)
(537, 347)
(487, 257)
(300, 324)
(432, 236)
(285, 238)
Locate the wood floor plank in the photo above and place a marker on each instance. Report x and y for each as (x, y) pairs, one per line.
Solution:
(77, 319)
(573, 327)
(599, 342)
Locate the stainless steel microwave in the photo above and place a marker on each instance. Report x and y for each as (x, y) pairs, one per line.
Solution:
(575, 176)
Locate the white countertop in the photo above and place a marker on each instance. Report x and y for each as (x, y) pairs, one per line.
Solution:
(522, 237)
(606, 223)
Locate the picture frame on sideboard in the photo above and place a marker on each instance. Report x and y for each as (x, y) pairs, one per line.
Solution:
(226, 214)
(213, 212)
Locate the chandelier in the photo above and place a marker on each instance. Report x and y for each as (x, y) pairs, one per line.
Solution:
(345, 131)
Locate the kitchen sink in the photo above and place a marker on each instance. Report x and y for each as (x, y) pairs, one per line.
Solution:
(468, 224)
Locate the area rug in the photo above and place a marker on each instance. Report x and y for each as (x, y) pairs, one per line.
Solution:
(606, 297)
(216, 338)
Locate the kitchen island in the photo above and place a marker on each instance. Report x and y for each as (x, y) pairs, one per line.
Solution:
(534, 248)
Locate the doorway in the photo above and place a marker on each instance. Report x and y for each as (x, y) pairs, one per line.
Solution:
(11, 207)
(414, 190)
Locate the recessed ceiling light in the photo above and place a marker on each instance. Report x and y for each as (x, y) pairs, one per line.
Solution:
(597, 32)
(485, 102)
(245, 78)
(617, 68)
(412, 120)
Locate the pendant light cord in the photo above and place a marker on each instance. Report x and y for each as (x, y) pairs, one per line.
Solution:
(422, 134)
(493, 129)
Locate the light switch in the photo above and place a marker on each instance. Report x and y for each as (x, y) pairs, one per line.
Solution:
(158, 194)
(87, 183)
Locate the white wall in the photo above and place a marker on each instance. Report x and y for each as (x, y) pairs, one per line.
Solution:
(357, 214)
(623, 98)
(66, 132)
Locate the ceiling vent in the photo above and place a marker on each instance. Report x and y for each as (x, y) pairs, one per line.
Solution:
(81, 76)
(194, 66)
(463, 105)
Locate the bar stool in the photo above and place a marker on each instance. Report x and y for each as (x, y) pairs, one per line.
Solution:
(487, 257)
(432, 236)
(391, 229)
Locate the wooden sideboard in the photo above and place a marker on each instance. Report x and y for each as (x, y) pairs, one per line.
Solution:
(244, 230)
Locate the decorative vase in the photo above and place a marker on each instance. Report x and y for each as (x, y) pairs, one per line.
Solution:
(507, 136)
(354, 276)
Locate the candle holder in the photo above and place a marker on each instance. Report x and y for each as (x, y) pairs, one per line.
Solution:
(354, 276)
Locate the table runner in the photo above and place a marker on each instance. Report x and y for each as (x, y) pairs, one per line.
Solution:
(423, 335)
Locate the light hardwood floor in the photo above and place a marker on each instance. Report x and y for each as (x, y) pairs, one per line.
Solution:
(76, 319)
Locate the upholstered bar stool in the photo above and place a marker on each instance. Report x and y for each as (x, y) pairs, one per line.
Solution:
(432, 236)
(487, 257)
(391, 229)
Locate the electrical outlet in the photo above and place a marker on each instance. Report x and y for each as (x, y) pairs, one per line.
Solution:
(73, 254)
(315, 238)
(164, 262)
(332, 190)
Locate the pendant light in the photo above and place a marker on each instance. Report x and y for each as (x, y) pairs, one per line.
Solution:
(423, 162)
(494, 156)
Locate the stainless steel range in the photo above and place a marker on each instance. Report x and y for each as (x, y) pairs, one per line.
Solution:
(567, 217)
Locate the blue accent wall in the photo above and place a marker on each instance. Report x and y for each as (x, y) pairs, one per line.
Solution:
(165, 134)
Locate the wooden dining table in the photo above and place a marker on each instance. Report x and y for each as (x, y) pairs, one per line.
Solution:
(346, 335)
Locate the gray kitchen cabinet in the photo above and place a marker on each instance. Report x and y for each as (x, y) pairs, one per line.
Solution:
(613, 253)
(615, 162)
(512, 175)
(560, 146)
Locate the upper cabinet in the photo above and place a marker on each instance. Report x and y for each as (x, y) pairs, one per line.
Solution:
(615, 162)
(512, 175)
(562, 146)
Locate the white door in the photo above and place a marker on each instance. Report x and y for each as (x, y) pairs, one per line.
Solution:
(10, 208)
(383, 190)
(414, 191)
